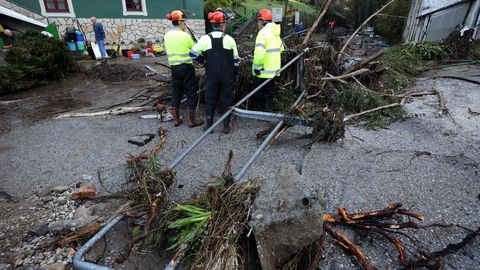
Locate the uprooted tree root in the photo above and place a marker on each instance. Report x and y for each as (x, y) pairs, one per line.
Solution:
(385, 223)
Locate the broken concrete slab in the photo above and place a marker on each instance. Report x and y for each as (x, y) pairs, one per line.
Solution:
(287, 216)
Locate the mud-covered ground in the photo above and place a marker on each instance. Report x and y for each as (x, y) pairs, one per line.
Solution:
(427, 162)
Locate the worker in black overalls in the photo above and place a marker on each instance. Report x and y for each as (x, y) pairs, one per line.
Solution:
(219, 53)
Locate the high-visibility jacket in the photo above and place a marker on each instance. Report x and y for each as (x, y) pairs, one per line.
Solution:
(268, 49)
(200, 51)
(178, 45)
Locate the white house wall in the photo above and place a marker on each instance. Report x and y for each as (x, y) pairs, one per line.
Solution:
(432, 20)
(429, 6)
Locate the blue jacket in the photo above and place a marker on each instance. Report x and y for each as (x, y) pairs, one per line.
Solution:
(99, 33)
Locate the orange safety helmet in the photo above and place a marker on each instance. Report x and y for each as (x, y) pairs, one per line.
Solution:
(264, 15)
(176, 15)
(216, 17)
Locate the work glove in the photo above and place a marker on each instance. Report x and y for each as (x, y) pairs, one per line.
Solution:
(257, 72)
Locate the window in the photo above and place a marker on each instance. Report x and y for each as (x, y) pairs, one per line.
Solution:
(134, 8)
(57, 8)
(56, 5)
(133, 5)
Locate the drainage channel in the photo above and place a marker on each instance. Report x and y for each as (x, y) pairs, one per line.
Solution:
(78, 261)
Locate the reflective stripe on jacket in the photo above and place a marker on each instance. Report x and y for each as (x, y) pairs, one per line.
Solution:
(178, 45)
(205, 44)
(268, 49)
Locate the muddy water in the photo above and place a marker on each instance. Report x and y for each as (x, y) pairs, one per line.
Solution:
(79, 92)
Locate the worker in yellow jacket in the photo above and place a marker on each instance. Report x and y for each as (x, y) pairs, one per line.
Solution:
(178, 44)
(266, 59)
(219, 53)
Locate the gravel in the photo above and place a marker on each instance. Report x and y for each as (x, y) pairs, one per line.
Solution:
(425, 162)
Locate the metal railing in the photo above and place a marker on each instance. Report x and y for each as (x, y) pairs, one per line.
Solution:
(299, 60)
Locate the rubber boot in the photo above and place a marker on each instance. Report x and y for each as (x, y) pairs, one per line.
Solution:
(192, 119)
(177, 120)
(226, 125)
(208, 122)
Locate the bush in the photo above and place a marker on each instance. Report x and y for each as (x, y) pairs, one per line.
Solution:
(425, 51)
(391, 25)
(34, 59)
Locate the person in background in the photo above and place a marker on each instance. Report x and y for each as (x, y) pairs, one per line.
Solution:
(298, 29)
(331, 24)
(8, 38)
(325, 25)
(219, 53)
(266, 59)
(178, 44)
(99, 37)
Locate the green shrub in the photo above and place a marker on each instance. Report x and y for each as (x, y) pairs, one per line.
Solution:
(34, 59)
(425, 51)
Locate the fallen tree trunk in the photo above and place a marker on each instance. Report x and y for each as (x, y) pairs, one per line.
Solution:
(441, 99)
(355, 73)
(352, 116)
(365, 62)
(116, 111)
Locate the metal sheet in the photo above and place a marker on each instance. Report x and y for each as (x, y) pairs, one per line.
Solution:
(446, 21)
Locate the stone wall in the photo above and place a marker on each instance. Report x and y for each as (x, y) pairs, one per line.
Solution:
(127, 30)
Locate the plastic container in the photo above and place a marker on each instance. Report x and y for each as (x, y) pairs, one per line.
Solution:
(80, 46)
(72, 46)
(79, 36)
(129, 54)
(135, 56)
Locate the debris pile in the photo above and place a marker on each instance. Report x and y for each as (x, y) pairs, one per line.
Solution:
(116, 72)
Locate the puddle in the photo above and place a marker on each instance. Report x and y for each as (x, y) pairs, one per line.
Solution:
(55, 106)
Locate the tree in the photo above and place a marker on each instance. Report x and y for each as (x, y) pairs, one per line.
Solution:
(211, 5)
(391, 23)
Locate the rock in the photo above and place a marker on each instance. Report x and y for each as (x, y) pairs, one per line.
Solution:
(142, 139)
(58, 227)
(39, 230)
(87, 177)
(18, 262)
(39, 257)
(82, 212)
(287, 217)
(71, 252)
(84, 192)
(59, 189)
(56, 266)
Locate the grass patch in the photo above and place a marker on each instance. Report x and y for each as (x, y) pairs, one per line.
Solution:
(253, 6)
